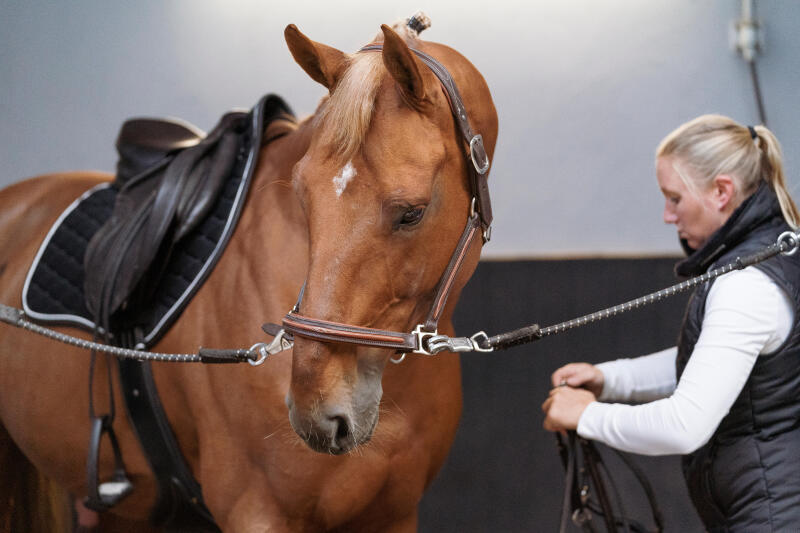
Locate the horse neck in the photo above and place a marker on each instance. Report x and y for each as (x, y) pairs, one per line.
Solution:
(271, 241)
(272, 199)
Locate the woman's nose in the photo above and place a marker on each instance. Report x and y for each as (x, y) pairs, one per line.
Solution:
(669, 215)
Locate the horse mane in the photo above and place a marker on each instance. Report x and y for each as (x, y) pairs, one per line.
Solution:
(345, 115)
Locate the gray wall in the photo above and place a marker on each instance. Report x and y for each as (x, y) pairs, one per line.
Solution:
(584, 89)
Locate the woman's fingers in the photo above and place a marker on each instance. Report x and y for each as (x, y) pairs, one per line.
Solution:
(573, 374)
(562, 374)
(579, 375)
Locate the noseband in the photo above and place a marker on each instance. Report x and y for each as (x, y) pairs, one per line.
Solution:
(479, 220)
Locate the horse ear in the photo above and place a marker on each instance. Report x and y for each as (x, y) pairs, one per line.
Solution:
(403, 66)
(323, 63)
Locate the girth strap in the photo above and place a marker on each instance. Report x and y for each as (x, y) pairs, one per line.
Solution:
(180, 501)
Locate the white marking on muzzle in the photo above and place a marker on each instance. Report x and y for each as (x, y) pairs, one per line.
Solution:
(341, 180)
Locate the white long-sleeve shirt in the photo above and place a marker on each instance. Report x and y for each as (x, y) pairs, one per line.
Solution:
(746, 315)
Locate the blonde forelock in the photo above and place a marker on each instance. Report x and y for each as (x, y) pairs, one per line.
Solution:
(345, 117)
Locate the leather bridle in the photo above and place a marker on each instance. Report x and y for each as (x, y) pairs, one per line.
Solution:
(479, 220)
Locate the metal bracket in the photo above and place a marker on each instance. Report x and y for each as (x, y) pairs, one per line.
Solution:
(421, 338)
(440, 343)
(264, 350)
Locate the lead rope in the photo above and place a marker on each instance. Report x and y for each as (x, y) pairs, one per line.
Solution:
(256, 355)
(787, 243)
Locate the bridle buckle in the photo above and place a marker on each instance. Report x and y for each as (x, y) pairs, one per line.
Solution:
(478, 154)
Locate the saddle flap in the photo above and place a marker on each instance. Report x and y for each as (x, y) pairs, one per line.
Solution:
(206, 183)
(106, 254)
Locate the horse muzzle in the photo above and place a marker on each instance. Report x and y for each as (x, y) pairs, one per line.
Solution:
(332, 429)
(334, 395)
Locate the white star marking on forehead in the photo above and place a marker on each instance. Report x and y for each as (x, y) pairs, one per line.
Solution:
(341, 180)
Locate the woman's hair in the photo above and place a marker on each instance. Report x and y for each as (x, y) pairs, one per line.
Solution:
(711, 145)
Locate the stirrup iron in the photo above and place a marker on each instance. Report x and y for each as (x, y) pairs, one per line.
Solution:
(107, 494)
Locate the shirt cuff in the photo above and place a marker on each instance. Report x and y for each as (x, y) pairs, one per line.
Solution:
(590, 422)
(610, 370)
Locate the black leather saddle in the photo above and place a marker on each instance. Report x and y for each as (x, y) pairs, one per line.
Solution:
(127, 257)
(168, 179)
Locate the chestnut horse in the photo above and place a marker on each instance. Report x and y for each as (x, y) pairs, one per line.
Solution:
(365, 202)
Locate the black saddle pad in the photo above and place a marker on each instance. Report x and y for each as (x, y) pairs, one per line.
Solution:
(54, 288)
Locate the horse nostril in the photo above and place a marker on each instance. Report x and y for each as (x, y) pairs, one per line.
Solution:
(342, 428)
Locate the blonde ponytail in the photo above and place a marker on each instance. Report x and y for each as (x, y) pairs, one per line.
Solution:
(772, 173)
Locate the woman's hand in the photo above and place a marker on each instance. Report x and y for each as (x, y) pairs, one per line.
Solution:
(564, 407)
(581, 375)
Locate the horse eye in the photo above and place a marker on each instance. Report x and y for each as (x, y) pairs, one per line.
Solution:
(412, 216)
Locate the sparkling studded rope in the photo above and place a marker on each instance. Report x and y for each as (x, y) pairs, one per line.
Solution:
(638, 302)
(787, 243)
(16, 317)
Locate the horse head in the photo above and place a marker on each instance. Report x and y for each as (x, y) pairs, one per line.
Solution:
(384, 189)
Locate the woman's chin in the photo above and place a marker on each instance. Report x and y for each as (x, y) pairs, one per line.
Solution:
(693, 243)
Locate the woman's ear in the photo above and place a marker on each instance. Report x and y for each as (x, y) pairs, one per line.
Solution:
(724, 190)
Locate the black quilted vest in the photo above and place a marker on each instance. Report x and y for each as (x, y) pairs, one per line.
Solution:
(747, 477)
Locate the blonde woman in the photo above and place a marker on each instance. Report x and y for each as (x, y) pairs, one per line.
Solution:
(727, 397)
